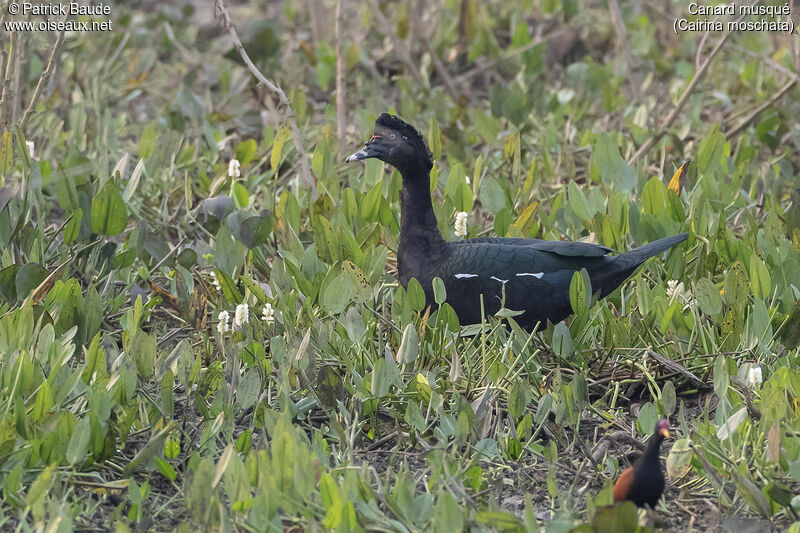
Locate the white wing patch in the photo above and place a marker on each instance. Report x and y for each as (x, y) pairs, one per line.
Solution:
(465, 276)
(499, 280)
(537, 275)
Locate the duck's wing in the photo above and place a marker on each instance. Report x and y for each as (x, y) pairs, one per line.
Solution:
(563, 248)
(523, 276)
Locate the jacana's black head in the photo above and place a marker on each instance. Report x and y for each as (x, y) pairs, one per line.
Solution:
(662, 430)
(397, 143)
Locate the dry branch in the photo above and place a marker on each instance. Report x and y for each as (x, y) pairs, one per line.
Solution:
(51, 64)
(622, 40)
(308, 179)
(405, 55)
(6, 81)
(340, 60)
(752, 116)
(698, 75)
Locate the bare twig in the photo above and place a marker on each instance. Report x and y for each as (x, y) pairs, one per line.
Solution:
(757, 111)
(671, 365)
(437, 64)
(340, 60)
(512, 53)
(698, 75)
(700, 47)
(22, 40)
(308, 179)
(43, 78)
(402, 51)
(13, 44)
(622, 40)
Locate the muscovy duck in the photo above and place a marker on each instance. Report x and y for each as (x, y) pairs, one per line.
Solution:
(643, 483)
(535, 273)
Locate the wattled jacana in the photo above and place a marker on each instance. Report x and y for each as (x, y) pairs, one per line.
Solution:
(643, 483)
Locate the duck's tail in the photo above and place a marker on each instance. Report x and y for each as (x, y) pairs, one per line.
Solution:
(637, 256)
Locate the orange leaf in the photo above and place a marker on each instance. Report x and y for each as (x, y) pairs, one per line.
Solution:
(677, 178)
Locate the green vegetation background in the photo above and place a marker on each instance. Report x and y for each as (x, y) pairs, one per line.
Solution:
(347, 405)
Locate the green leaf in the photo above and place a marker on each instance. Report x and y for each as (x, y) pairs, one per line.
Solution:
(492, 195)
(439, 291)
(579, 203)
(255, 231)
(668, 398)
(729, 427)
(79, 442)
(750, 492)
(435, 139)
(219, 206)
(147, 142)
(6, 155)
(246, 151)
(562, 341)
(517, 399)
(708, 297)
(73, 226)
(143, 350)
(613, 169)
(409, 345)
(447, 513)
(277, 147)
(711, 151)
(8, 285)
(544, 408)
(240, 195)
(29, 276)
(735, 285)
(577, 292)
(721, 378)
(416, 296)
(760, 280)
(371, 203)
(228, 287)
(464, 199)
(109, 214)
(338, 294)
(679, 460)
(43, 402)
(36, 494)
(647, 418)
(620, 518)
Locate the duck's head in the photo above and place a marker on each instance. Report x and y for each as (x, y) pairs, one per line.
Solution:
(397, 143)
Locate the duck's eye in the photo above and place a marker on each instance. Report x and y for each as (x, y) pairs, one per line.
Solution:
(392, 136)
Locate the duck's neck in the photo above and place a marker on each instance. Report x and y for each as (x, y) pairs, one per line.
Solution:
(421, 247)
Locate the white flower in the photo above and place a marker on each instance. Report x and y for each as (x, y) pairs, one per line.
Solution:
(675, 290)
(242, 316)
(268, 314)
(30, 148)
(215, 281)
(233, 168)
(223, 318)
(754, 377)
(461, 224)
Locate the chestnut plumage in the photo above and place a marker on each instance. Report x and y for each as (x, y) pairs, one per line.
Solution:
(643, 483)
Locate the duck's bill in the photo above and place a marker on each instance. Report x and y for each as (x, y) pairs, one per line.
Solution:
(369, 151)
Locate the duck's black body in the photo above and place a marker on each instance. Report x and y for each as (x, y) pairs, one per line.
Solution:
(535, 274)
